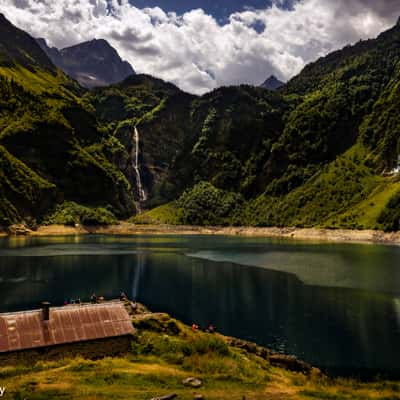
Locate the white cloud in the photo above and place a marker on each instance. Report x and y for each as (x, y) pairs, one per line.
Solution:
(193, 50)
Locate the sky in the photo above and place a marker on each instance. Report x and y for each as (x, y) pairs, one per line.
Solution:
(219, 9)
(203, 44)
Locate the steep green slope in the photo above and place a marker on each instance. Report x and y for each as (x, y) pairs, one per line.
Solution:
(331, 160)
(338, 140)
(16, 48)
(224, 137)
(237, 129)
(161, 112)
(380, 131)
(50, 147)
(326, 199)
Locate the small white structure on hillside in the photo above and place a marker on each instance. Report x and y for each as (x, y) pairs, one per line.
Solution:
(397, 168)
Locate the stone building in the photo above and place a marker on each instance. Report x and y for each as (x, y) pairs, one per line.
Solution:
(93, 330)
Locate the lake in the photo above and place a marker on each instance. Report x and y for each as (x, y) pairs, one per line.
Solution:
(336, 306)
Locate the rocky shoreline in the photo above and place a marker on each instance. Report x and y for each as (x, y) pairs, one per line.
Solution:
(163, 323)
(125, 228)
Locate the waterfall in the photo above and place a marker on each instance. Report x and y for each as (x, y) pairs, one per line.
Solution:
(136, 166)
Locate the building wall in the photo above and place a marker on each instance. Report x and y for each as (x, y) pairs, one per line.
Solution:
(93, 349)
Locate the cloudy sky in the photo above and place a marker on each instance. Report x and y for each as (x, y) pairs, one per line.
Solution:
(203, 44)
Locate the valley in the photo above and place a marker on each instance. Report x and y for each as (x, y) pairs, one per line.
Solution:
(321, 151)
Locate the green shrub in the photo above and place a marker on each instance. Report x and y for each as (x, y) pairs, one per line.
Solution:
(177, 347)
(390, 216)
(206, 205)
(70, 213)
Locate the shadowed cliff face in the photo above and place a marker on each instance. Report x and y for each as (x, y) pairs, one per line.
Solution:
(161, 114)
(93, 63)
(221, 137)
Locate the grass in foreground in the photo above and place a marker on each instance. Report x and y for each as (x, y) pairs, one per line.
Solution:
(163, 354)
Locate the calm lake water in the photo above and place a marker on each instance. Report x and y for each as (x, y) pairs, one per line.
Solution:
(335, 306)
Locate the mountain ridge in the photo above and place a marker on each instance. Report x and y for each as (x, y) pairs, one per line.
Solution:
(92, 63)
(20, 48)
(318, 152)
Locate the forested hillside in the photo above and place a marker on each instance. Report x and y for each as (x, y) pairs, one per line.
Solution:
(51, 147)
(332, 159)
(322, 150)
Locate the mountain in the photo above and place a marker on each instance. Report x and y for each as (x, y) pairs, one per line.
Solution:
(331, 160)
(52, 52)
(51, 149)
(184, 138)
(18, 48)
(272, 83)
(94, 63)
(323, 150)
(161, 113)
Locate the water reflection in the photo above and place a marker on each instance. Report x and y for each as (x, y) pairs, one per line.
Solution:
(137, 275)
(339, 329)
(352, 324)
(362, 266)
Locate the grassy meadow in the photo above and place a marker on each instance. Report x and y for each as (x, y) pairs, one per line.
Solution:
(164, 353)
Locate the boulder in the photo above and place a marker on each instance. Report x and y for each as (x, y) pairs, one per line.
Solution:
(167, 397)
(193, 382)
(249, 347)
(18, 230)
(290, 363)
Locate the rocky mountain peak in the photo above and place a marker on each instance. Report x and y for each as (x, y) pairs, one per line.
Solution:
(92, 63)
(272, 83)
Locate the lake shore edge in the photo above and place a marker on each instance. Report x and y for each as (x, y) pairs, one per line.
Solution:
(125, 228)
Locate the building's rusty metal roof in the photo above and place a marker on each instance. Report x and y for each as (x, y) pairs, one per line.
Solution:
(69, 324)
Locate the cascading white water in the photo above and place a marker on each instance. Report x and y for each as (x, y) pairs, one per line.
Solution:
(135, 156)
